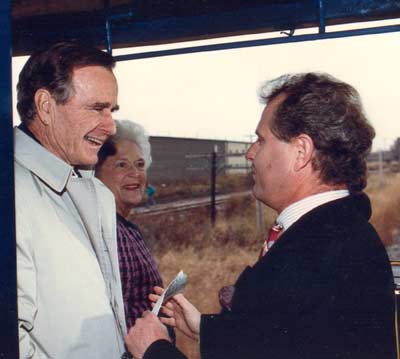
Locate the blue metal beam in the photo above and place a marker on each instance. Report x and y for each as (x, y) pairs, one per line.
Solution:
(143, 23)
(8, 292)
(260, 42)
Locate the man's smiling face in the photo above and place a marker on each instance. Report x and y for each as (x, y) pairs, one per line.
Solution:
(79, 127)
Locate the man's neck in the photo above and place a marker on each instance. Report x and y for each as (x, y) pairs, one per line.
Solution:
(26, 129)
(309, 189)
(42, 134)
(296, 210)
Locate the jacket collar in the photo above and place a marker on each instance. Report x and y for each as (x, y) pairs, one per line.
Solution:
(347, 210)
(49, 168)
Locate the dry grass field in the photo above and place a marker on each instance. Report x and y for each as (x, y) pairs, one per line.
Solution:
(385, 197)
(214, 257)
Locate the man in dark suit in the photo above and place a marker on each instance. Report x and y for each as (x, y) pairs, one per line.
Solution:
(325, 288)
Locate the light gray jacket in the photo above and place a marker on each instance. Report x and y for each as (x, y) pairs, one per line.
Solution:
(69, 291)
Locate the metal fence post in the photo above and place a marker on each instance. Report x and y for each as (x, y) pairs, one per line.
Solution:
(213, 185)
(260, 219)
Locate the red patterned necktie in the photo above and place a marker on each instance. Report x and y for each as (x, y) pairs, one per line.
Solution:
(273, 235)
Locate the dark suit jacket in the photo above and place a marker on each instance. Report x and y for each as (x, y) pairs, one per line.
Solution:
(324, 290)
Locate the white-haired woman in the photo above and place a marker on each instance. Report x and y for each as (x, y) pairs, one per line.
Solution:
(122, 166)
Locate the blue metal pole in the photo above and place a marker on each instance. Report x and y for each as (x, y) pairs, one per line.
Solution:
(110, 18)
(8, 292)
(321, 8)
(108, 26)
(108, 35)
(261, 42)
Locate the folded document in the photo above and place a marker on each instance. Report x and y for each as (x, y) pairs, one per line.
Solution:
(176, 286)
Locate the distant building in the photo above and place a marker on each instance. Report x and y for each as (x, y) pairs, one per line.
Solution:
(177, 158)
(235, 161)
(386, 156)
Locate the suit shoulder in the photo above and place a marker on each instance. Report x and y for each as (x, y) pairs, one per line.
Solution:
(102, 188)
(24, 181)
(104, 195)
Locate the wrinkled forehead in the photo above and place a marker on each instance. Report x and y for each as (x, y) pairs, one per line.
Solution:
(96, 80)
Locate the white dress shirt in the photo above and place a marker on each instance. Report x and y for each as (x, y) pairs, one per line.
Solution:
(297, 209)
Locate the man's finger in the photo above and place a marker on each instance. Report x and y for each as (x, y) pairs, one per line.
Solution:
(158, 290)
(146, 313)
(153, 297)
(168, 321)
(167, 312)
(180, 300)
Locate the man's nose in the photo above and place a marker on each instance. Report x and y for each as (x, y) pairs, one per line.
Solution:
(113, 129)
(109, 124)
(250, 153)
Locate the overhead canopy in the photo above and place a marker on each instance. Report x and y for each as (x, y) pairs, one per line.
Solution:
(36, 23)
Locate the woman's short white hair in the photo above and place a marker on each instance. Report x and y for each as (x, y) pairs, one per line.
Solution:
(134, 132)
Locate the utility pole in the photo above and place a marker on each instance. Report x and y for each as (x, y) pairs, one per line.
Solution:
(381, 163)
(213, 184)
(381, 181)
(260, 219)
(213, 176)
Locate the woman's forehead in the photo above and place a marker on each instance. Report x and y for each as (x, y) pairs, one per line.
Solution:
(128, 148)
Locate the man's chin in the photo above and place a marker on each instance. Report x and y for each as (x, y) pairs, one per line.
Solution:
(89, 155)
(88, 162)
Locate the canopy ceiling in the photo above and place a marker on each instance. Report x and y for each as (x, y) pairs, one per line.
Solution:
(143, 22)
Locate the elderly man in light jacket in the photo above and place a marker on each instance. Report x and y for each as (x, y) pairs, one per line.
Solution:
(69, 290)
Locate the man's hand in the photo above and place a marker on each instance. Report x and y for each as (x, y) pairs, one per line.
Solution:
(146, 331)
(180, 313)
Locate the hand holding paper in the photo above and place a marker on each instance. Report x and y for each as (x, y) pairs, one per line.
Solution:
(176, 286)
(180, 313)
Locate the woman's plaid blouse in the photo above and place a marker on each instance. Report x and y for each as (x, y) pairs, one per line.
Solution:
(139, 273)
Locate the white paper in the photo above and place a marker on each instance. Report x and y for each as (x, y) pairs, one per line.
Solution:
(176, 286)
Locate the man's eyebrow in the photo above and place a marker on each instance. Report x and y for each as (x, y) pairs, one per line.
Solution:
(102, 105)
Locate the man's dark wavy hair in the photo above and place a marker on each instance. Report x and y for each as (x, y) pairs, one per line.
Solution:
(331, 113)
(52, 69)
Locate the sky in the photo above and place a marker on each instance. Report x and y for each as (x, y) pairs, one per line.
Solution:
(215, 94)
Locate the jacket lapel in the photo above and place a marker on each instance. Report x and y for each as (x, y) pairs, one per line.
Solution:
(94, 210)
(82, 194)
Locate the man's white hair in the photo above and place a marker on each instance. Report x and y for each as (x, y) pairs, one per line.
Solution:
(134, 132)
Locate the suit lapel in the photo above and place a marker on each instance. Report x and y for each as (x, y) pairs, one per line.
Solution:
(83, 194)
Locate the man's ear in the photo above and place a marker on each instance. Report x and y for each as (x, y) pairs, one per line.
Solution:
(43, 104)
(304, 147)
